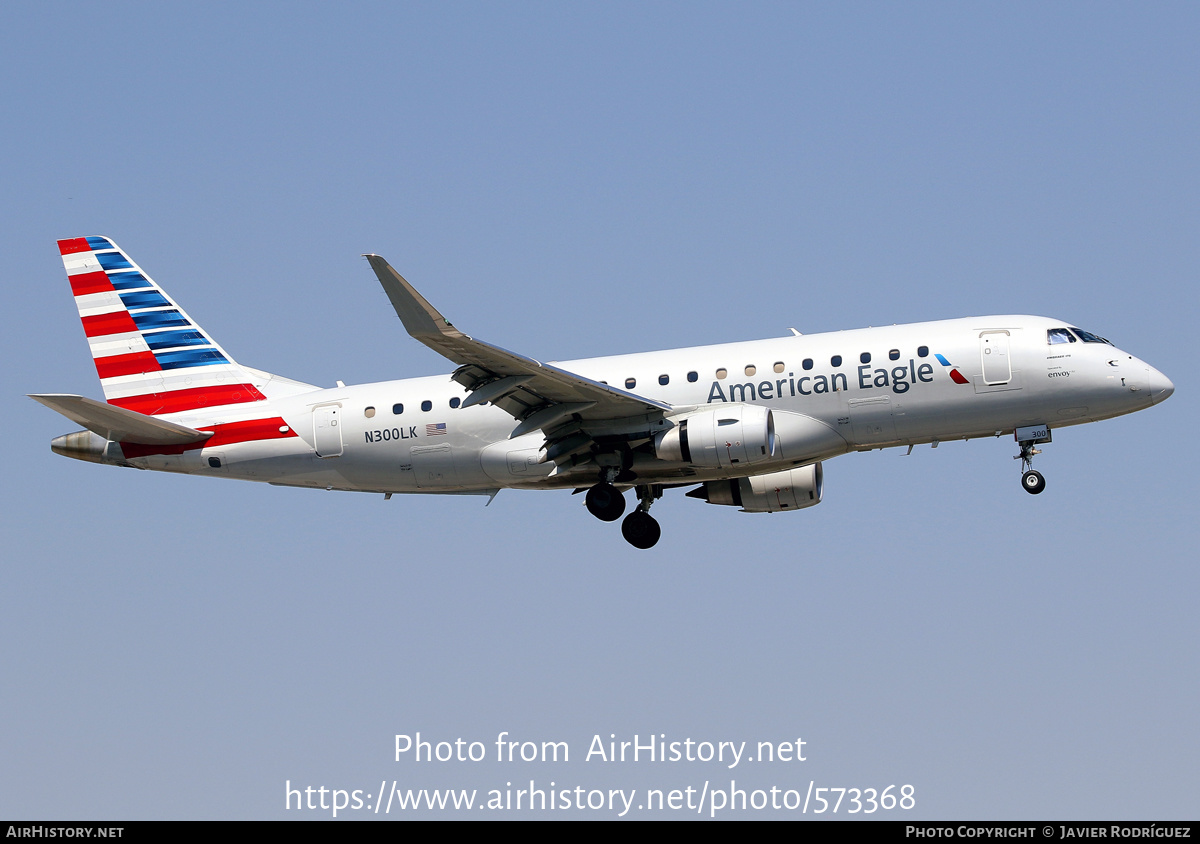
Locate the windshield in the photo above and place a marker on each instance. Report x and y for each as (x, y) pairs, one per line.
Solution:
(1059, 335)
(1088, 337)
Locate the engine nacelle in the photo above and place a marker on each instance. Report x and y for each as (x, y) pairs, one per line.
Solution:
(793, 489)
(732, 436)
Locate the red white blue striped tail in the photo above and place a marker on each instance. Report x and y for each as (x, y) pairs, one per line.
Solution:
(150, 356)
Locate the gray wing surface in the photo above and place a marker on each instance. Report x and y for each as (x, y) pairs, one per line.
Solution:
(537, 395)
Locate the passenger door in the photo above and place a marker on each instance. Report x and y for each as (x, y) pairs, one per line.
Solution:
(993, 349)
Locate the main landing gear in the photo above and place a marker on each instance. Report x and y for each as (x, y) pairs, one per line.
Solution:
(640, 529)
(605, 502)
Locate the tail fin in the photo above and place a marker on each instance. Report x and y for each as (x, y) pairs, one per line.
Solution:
(150, 356)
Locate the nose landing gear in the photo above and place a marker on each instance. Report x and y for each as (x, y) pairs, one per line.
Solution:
(1027, 438)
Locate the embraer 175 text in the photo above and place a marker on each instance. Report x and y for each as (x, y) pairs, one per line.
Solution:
(746, 424)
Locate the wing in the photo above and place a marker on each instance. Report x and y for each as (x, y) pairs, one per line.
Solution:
(537, 395)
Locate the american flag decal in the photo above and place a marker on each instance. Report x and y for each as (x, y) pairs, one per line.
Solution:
(435, 428)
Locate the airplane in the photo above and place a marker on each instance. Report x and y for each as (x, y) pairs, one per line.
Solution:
(745, 425)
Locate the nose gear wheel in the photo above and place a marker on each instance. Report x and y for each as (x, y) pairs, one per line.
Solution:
(1031, 481)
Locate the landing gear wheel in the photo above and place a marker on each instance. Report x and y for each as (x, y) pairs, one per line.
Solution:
(640, 529)
(605, 502)
(1033, 482)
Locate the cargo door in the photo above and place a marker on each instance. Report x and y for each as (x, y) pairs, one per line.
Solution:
(433, 466)
(871, 420)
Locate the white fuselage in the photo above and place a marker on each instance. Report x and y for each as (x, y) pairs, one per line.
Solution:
(924, 382)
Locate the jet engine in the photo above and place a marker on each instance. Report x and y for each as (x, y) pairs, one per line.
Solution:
(731, 436)
(793, 489)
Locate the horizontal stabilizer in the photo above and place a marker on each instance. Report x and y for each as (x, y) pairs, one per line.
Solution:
(118, 424)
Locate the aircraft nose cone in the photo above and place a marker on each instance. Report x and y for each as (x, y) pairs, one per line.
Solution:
(1161, 387)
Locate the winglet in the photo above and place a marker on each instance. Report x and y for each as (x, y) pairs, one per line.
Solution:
(420, 318)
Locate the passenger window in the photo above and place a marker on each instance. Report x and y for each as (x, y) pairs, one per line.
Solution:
(922, 351)
(865, 357)
(427, 405)
(750, 369)
(664, 380)
(894, 354)
(778, 367)
(455, 402)
(693, 376)
(630, 383)
(369, 413)
(836, 360)
(722, 373)
(397, 409)
(808, 363)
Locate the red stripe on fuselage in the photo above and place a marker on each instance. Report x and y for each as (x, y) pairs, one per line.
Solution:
(176, 401)
(116, 322)
(72, 245)
(252, 430)
(131, 364)
(86, 283)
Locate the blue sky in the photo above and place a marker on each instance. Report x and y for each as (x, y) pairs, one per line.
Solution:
(570, 180)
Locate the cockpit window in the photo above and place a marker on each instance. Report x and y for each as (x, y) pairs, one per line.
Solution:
(1059, 335)
(1088, 337)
